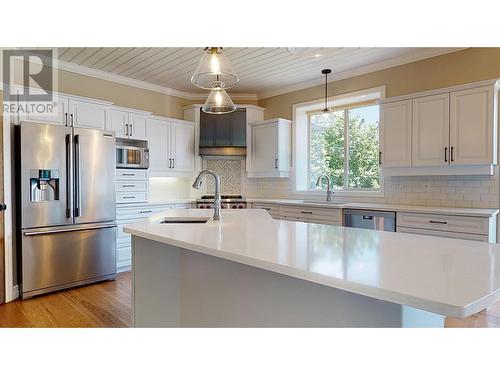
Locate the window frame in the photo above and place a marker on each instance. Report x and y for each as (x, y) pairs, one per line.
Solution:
(345, 190)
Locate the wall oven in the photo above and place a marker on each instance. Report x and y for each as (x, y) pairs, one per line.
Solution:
(131, 153)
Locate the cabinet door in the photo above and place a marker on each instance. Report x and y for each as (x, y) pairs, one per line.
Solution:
(158, 142)
(223, 129)
(117, 122)
(207, 129)
(264, 148)
(471, 126)
(239, 127)
(87, 115)
(431, 130)
(59, 116)
(182, 147)
(395, 134)
(137, 124)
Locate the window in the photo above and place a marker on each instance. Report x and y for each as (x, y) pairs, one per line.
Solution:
(345, 146)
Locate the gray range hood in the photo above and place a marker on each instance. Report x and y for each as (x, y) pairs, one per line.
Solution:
(223, 135)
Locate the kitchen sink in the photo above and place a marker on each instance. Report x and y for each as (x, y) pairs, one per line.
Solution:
(184, 220)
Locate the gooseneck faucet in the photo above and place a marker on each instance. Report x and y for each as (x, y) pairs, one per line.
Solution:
(329, 192)
(217, 201)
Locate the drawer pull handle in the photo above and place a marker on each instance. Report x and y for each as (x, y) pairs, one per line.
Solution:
(266, 208)
(128, 185)
(367, 217)
(131, 197)
(145, 211)
(306, 212)
(438, 222)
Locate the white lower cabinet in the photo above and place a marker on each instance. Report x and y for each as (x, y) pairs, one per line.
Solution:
(450, 226)
(332, 216)
(128, 214)
(272, 209)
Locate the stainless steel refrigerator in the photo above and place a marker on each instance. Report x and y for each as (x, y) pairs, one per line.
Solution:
(66, 207)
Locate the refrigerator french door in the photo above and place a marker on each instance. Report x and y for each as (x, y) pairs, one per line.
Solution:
(67, 207)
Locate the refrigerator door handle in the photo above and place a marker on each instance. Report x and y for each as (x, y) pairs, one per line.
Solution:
(78, 178)
(63, 230)
(69, 178)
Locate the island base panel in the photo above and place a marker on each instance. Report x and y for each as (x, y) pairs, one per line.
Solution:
(175, 287)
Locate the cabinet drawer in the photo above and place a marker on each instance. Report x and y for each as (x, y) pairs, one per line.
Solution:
(312, 213)
(132, 186)
(124, 254)
(439, 233)
(447, 223)
(139, 212)
(272, 209)
(131, 174)
(131, 197)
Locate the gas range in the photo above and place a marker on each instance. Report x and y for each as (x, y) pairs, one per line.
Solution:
(227, 202)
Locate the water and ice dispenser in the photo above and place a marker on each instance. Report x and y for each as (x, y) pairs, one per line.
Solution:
(44, 185)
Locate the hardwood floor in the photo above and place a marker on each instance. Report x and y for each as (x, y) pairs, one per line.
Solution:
(108, 304)
(105, 304)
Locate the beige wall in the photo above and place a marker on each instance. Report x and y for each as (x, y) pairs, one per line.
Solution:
(470, 65)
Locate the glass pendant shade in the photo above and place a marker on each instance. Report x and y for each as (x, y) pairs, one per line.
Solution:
(218, 102)
(214, 67)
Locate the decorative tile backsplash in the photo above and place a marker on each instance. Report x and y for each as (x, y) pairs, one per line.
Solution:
(229, 171)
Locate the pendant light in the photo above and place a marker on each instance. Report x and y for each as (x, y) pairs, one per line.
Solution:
(218, 102)
(214, 67)
(326, 110)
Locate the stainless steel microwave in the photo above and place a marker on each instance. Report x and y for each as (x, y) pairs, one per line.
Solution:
(131, 153)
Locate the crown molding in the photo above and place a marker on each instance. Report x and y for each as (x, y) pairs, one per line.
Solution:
(389, 63)
(116, 78)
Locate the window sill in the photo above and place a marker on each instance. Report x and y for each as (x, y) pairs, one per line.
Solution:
(341, 193)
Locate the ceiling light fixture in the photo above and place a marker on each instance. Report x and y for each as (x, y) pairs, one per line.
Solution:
(214, 67)
(218, 101)
(326, 110)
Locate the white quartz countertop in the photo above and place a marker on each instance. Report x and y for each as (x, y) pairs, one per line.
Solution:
(480, 212)
(446, 276)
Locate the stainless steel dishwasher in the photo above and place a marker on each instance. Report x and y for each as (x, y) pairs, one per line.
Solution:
(378, 220)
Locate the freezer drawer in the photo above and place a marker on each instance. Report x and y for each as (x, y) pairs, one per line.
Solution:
(61, 257)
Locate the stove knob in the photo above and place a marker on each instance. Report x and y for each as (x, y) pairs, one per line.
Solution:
(234, 206)
(201, 206)
(241, 206)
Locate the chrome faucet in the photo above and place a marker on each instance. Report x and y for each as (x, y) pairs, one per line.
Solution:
(329, 192)
(217, 201)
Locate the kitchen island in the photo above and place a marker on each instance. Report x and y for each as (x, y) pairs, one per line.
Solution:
(249, 270)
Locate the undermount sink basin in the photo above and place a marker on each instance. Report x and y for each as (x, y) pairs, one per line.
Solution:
(184, 220)
(323, 202)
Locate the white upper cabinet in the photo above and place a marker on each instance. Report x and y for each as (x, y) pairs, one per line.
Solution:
(85, 114)
(431, 130)
(270, 152)
(158, 143)
(117, 122)
(453, 131)
(59, 115)
(395, 133)
(171, 146)
(182, 147)
(126, 123)
(472, 126)
(137, 124)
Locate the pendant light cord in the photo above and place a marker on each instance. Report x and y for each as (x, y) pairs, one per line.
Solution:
(326, 91)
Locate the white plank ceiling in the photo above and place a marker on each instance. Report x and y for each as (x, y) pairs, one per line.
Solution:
(261, 70)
